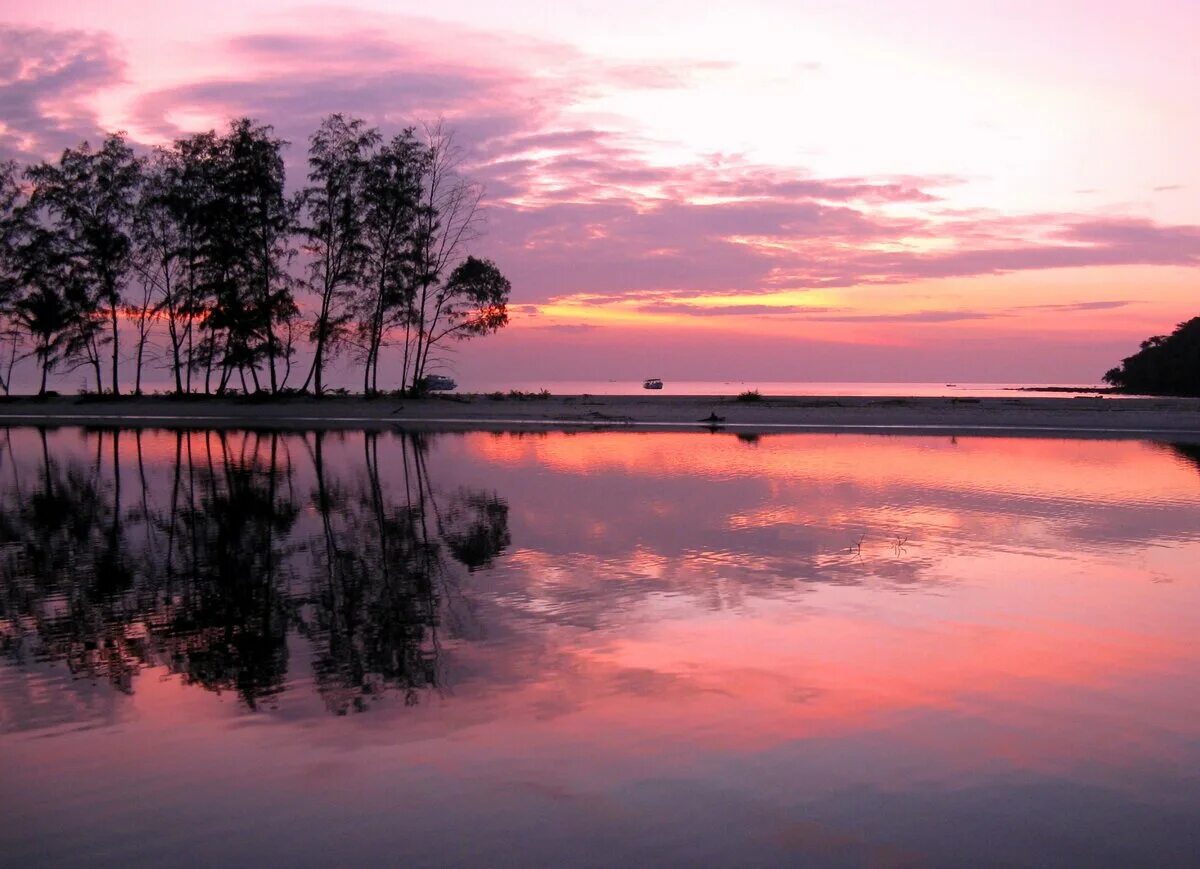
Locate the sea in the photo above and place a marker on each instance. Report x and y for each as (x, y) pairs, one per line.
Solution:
(781, 387)
(597, 648)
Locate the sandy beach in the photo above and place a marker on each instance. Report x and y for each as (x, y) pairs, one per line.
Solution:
(1153, 418)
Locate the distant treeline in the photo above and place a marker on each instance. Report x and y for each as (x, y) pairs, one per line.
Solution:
(203, 240)
(1165, 364)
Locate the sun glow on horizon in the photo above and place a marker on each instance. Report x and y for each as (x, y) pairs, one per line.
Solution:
(796, 169)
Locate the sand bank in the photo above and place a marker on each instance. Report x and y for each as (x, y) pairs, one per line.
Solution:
(1157, 418)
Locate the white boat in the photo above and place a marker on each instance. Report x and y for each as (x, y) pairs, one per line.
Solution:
(652, 383)
(438, 383)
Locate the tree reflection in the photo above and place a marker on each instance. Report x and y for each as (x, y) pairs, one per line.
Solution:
(67, 591)
(1190, 452)
(227, 626)
(224, 556)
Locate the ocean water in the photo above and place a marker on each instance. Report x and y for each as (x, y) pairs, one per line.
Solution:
(768, 387)
(595, 649)
(155, 382)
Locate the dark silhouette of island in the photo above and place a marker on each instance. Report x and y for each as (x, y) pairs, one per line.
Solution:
(1165, 364)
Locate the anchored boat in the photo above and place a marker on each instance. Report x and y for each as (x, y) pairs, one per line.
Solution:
(438, 383)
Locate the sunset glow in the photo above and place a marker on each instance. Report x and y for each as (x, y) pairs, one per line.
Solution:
(791, 191)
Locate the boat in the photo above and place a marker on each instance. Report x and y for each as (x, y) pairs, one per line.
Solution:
(437, 383)
(652, 383)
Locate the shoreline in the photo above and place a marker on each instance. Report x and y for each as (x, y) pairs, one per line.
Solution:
(1082, 416)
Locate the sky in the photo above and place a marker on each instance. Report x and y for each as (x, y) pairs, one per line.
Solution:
(911, 190)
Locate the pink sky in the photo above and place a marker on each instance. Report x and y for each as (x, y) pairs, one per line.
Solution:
(910, 190)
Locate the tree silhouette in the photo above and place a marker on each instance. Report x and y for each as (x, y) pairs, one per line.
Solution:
(1165, 365)
(390, 200)
(334, 232)
(202, 236)
(87, 200)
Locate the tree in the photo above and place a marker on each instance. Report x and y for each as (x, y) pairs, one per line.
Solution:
(391, 196)
(256, 171)
(89, 198)
(334, 231)
(189, 172)
(162, 261)
(200, 237)
(142, 311)
(44, 311)
(472, 301)
(447, 221)
(246, 250)
(13, 231)
(1165, 364)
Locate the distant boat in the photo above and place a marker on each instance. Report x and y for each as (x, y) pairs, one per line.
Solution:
(652, 383)
(438, 383)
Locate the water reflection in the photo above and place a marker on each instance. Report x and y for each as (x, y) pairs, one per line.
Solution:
(198, 561)
(597, 648)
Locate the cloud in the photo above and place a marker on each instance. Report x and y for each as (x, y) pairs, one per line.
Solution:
(48, 81)
(576, 204)
(682, 307)
(566, 328)
(912, 317)
(1079, 306)
(813, 313)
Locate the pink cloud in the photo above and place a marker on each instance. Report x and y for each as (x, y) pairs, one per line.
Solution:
(578, 206)
(47, 78)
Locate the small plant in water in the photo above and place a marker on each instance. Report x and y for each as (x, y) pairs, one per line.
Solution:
(750, 395)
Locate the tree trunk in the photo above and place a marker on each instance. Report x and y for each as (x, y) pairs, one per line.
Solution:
(137, 380)
(176, 348)
(416, 375)
(367, 368)
(271, 356)
(96, 366)
(116, 389)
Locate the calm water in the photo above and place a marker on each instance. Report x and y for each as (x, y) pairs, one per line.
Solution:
(597, 649)
(768, 387)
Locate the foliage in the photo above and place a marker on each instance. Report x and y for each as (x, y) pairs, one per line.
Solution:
(86, 201)
(334, 231)
(1165, 365)
(750, 395)
(200, 239)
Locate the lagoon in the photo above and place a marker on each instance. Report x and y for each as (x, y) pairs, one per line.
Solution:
(597, 648)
